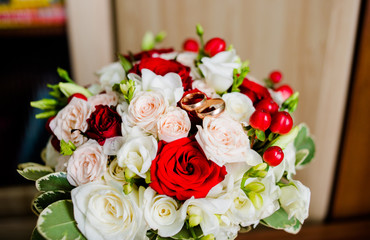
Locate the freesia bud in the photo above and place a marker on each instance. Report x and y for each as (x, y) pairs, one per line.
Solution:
(129, 174)
(127, 189)
(208, 237)
(255, 187)
(256, 199)
(194, 220)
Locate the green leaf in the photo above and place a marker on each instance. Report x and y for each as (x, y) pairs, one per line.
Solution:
(304, 142)
(67, 149)
(260, 135)
(279, 220)
(43, 200)
(36, 235)
(283, 140)
(64, 74)
(33, 171)
(57, 222)
(291, 103)
(126, 64)
(300, 156)
(53, 182)
(185, 233)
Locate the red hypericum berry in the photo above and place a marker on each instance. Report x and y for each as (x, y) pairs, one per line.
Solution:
(276, 76)
(77, 95)
(281, 123)
(285, 90)
(47, 125)
(260, 120)
(191, 45)
(268, 105)
(214, 46)
(273, 156)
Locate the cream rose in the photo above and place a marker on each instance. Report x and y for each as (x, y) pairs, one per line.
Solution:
(223, 140)
(104, 212)
(87, 164)
(145, 110)
(115, 173)
(218, 70)
(238, 106)
(163, 213)
(70, 119)
(109, 99)
(173, 125)
(296, 200)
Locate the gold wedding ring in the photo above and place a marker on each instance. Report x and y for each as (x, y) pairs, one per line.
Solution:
(188, 104)
(212, 107)
(204, 107)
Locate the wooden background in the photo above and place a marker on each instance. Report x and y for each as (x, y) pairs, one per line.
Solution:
(311, 42)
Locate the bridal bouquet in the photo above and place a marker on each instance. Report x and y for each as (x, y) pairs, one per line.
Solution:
(170, 145)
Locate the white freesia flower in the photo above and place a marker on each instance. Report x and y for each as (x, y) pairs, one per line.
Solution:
(144, 111)
(228, 230)
(104, 212)
(115, 173)
(238, 106)
(218, 70)
(70, 120)
(207, 209)
(170, 85)
(243, 211)
(202, 86)
(173, 125)
(137, 154)
(163, 213)
(110, 75)
(188, 59)
(223, 140)
(87, 164)
(288, 163)
(296, 200)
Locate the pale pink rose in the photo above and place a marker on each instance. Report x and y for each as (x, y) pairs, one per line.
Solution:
(71, 119)
(202, 86)
(145, 109)
(109, 99)
(173, 125)
(223, 140)
(87, 164)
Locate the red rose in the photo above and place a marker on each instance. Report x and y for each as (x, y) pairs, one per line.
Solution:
(182, 170)
(162, 66)
(148, 54)
(254, 91)
(103, 123)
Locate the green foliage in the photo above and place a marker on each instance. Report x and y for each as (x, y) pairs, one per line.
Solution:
(186, 233)
(125, 63)
(57, 222)
(304, 145)
(291, 103)
(33, 171)
(44, 199)
(280, 220)
(36, 235)
(53, 182)
(238, 77)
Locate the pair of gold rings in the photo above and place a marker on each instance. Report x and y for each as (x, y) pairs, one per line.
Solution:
(203, 107)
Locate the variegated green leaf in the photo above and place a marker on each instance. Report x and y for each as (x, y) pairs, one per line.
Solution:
(43, 200)
(304, 141)
(53, 182)
(57, 222)
(279, 220)
(36, 235)
(33, 171)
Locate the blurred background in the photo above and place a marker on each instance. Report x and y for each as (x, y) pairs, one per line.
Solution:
(321, 47)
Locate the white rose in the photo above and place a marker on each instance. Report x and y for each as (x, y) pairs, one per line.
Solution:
(202, 86)
(173, 125)
(238, 106)
(206, 209)
(223, 140)
(145, 109)
(170, 85)
(109, 99)
(87, 163)
(137, 154)
(296, 200)
(110, 75)
(163, 213)
(70, 119)
(104, 212)
(218, 70)
(115, 173)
